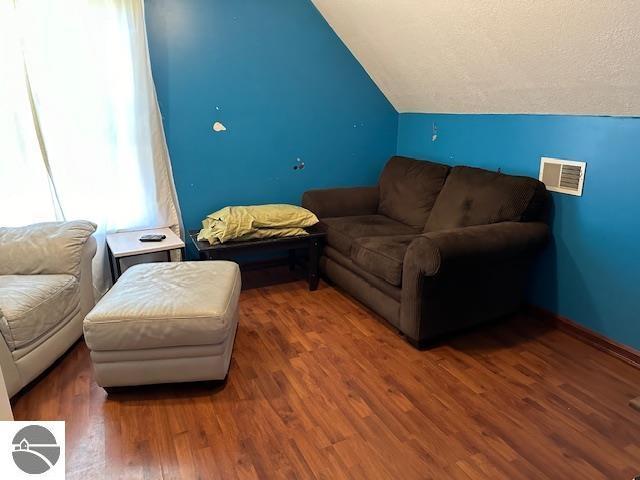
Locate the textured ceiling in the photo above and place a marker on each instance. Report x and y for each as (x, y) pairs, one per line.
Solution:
(497, 56)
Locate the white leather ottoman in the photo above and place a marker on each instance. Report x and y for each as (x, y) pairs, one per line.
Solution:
(165, 322)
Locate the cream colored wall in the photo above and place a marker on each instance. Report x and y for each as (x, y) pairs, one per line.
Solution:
(496, 56)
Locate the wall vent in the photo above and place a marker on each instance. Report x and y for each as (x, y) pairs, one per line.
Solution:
(564, 176)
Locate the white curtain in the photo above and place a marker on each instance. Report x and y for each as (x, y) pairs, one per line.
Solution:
(80, 129)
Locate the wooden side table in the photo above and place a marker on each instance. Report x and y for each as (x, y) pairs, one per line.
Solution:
(313, 242)
(127, 244)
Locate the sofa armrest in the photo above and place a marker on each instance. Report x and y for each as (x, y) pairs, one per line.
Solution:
(341, 202)
(87, 292)
(44, 248)
(456, 278)
(433, 252)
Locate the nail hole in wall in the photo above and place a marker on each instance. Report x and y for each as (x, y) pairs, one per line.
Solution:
(219, 127)
(299, 164)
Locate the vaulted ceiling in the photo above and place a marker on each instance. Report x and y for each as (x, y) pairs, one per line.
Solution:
(497, 56)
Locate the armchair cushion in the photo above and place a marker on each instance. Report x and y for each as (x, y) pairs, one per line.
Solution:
(44, 248)
(382, 256)
(409, 188)
(343, 231)
(33, 305)
(473, 196)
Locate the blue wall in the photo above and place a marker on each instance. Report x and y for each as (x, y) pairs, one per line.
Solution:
(591, 272)
(285, 86)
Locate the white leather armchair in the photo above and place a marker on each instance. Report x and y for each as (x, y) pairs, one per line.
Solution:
(46, 290)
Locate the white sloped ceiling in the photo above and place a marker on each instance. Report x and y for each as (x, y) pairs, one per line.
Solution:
(497, 56)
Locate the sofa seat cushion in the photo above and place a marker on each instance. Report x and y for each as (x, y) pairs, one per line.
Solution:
(33, 305)
(409, 188)
(382, 256)
(158, 305)
(342, 231)
(473, 196)
(373, 280)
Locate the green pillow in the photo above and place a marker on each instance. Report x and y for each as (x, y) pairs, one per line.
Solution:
(236, 223)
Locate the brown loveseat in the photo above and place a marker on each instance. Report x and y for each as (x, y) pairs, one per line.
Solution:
(433, 249)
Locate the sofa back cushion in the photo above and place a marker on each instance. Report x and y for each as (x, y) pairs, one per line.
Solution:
(409, 188)
(44, 248)
(473, 196)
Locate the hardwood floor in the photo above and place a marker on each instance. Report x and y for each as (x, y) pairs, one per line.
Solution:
(319, 387)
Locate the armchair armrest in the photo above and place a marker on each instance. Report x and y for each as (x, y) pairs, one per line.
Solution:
(44, 248)
(341, 202)
(433, 252)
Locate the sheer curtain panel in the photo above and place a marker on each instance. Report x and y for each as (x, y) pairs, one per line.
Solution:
(80, 129)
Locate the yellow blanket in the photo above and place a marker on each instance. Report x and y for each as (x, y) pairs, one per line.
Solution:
(253, 222)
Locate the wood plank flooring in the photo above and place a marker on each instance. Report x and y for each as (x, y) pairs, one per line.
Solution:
(320, 387)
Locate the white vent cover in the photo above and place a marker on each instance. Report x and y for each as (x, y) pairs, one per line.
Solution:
(564, 176)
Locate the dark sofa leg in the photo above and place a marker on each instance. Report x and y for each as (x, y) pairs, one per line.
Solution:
(420, 344)
(412, 341)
